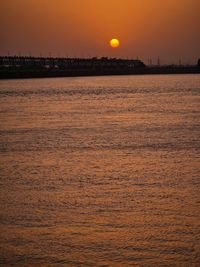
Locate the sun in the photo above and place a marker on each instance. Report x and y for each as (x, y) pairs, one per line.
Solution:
(114, 43)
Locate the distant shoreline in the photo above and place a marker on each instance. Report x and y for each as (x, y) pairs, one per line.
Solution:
(13, 67)
(17, 73)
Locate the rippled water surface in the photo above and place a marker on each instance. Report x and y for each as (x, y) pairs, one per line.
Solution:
(100, 171)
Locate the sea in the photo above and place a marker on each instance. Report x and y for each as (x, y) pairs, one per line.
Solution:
(100, 171)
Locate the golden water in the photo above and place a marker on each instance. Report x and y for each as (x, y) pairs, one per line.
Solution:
(100, 171)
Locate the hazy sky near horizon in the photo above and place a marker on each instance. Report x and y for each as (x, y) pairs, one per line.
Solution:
(146, 28)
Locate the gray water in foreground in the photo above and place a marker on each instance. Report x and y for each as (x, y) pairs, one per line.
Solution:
(100, 171)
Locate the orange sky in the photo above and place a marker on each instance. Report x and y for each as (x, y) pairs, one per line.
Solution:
(146, 28)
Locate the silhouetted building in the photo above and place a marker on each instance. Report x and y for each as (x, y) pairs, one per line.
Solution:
(69, 63)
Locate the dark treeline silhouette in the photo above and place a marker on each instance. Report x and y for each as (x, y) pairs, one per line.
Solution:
(36, 67)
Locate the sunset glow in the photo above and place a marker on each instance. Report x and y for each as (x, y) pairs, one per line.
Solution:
(114, 43)
(148, 28)
(99, 133)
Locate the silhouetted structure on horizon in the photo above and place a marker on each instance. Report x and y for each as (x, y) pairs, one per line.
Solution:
(38, 67)
(68, 63)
